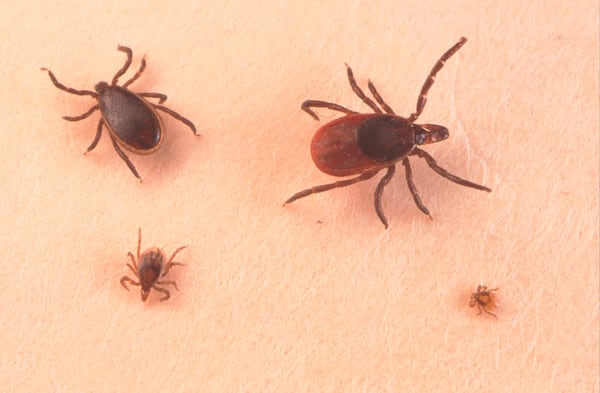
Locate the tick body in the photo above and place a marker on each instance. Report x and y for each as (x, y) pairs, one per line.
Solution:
(363, 144)
(484, 299)
(149, 268)
(131, 120)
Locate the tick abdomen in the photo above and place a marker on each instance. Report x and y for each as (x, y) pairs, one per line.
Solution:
(130, 118)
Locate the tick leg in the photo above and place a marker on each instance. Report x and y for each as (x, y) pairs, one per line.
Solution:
(134, 265)
(137, 74)
(422, 100)
(123, 69)
(161, 97)
(380, 100)
(306, 105)
(178, 117)
(132, 268)
(168, 283)
(68, 89)
(175, 253)
(487, 312)
(170, 264)
(168, 267)
(327, 187)
(444, 173)
(92, 145)
(379, 191)
(129, 280)
(162, 290)
(81, 117)
(124, 157)
(412, 188)
(139, 243)
(358, 91)
(479, 308)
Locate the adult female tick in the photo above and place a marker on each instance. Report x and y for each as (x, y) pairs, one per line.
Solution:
(365, 143)
(131, 120)
(149, 268)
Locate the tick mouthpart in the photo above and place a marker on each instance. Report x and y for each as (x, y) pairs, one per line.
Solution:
(145, 295)
(101, 87)
(430, 133)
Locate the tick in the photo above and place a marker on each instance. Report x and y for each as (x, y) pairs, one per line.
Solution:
(131, 120)
(483, 298)
(363, 144)
(149, 267)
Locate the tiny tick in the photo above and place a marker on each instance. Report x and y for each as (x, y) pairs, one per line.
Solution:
(363, 144)
(149, 268)
(131, 120)
(483, 298)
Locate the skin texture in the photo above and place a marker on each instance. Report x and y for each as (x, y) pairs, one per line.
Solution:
(316, 296)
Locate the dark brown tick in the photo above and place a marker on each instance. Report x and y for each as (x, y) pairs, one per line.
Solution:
(364, 144)
(151, 266)
(131, 120)
(484, 299)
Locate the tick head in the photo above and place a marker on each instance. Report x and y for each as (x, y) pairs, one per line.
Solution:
(430, 133)
(145, 294)
(101, 87)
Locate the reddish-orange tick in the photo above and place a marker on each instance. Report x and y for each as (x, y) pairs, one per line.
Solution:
(363, 144)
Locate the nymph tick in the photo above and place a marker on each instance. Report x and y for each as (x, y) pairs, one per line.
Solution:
(149, 268)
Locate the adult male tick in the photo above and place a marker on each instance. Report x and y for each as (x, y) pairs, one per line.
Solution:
(149, 268)
(363, 144)
(131, 120)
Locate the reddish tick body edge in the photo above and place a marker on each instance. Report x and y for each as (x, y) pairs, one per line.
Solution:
(337, 149)
(364, 144)
(130, 118)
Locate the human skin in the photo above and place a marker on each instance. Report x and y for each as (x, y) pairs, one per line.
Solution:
(316, 295)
